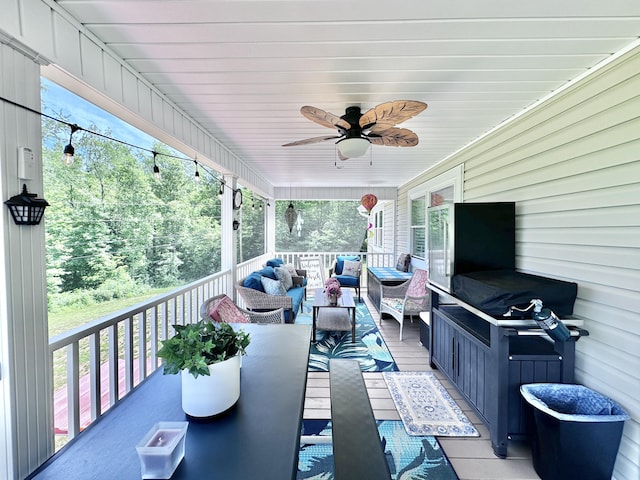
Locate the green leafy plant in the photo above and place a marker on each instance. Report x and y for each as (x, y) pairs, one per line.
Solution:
(197, 345)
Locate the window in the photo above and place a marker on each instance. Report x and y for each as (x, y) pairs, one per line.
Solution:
(418, 237)
(445, 188)
(378, 229)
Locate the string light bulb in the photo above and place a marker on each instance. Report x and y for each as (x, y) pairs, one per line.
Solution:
(221, 191)
(69, 151)
(196, 176)
(156, 169)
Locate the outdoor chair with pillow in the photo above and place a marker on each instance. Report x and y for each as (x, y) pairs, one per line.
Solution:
(222, 309)
(347, 269)
(409, 298)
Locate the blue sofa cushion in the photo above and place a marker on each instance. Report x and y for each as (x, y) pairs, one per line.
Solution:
(340, 262)
(268, 272)
(347, 280)
(275, 262)
(297, 295)
(254, 280)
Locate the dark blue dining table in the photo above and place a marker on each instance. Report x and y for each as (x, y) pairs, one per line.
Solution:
(258, 439)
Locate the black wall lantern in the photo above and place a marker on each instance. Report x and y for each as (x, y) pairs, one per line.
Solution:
(25, 208)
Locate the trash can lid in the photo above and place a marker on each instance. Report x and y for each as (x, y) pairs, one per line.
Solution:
(570, 402)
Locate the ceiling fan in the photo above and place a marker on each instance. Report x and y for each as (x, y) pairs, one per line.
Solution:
(358, 130)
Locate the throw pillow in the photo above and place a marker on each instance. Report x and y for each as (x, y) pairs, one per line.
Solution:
(292, 270)
(254, 280)
(273, 287)
(404, 262)
(285, 277)
(351, 268)
(224, 310)
(268, 272)
(275, 262)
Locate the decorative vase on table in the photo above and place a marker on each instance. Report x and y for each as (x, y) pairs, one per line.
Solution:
(332, 291)
(213, 394)
(333, 299)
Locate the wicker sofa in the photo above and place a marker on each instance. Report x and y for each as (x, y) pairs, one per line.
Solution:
(256, 299)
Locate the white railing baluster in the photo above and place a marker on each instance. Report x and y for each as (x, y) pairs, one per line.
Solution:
(95, 375)
(114, 367)
(142, 345)
(73, 388)
(128, 354)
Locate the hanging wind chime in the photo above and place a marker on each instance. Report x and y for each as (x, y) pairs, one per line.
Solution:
(290, 214)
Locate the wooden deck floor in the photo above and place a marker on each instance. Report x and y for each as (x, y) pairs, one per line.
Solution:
(472, 458)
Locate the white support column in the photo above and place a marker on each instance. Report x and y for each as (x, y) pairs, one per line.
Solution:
(229, 239)
(271, 225)
(25, 367)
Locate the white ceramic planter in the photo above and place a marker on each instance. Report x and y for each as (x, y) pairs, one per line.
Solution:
(208, 396)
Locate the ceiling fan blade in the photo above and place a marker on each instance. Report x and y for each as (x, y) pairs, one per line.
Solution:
(394, 137)
(307, 141)
(323, 118)
(391, 113)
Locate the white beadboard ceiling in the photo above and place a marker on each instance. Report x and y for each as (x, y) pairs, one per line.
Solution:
(243, 69)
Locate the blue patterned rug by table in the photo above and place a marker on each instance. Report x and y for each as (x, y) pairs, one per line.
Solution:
(369, 348)
(409, 458)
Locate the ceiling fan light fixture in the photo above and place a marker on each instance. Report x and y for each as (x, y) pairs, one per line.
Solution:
(353, 147)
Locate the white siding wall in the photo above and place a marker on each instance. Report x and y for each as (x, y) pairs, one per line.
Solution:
(25, 394)
(572, 165)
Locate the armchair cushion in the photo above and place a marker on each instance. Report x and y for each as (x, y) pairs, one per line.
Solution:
(273, 287)
(340, 262)
(348, 280)
(351, 268)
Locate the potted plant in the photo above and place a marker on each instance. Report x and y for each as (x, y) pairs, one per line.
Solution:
(207, 355)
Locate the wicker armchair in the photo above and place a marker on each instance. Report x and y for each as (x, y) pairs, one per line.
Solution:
(409, 298)
(273, 316)
(256, 300)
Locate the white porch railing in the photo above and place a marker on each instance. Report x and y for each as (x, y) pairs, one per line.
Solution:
(126, 343)
(112, 355)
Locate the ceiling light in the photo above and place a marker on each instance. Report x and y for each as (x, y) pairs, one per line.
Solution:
(353, 147)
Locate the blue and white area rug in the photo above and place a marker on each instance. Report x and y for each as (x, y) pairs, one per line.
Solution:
(425, 406)
(409, 458)
(369, 348)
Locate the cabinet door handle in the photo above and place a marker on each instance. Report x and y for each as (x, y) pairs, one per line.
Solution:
(453, 356)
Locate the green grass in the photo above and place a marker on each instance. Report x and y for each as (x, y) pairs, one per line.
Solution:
(65, 319)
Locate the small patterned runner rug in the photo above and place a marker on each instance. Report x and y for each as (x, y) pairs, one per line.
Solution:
(425, 406)
(369, 348)
(409, 458)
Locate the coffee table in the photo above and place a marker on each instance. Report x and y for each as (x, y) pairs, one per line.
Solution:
(340, 317)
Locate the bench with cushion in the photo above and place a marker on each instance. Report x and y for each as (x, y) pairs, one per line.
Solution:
(271, 288)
